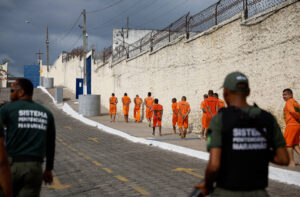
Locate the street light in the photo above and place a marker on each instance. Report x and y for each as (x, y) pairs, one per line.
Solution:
(50, 80)
(47, 44)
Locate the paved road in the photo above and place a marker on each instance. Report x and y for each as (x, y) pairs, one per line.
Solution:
(89, 162)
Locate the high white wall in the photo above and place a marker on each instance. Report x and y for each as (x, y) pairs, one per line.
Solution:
(265, 48)
(120, 35)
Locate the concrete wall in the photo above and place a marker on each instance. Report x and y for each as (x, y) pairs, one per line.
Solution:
(133, 36)
(65, 73)
(266, 48)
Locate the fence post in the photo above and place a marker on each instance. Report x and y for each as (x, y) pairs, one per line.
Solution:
(141, 45)
(170, 32)
(187, 23)
(216, 12)
(151, 42)
(104, 55)
(245, 7)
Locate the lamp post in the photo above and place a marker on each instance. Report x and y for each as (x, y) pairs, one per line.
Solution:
(47, 81)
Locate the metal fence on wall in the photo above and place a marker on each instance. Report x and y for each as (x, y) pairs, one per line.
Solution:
(256, 6)
(189, 26)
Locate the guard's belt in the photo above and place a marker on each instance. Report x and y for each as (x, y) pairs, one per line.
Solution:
(26, 158)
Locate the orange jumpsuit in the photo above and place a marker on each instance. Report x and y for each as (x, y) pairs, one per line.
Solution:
(149, 102)
(175, 115)
(113, 105)
(137, 109)
(126, 100)
(204, 123)
(184, 108)
(292, 120)
(158, 115)
(212, 106)
(221, 104)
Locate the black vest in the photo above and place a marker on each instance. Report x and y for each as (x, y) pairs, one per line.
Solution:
(246, 149)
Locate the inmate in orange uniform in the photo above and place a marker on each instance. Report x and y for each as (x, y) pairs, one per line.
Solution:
(126, 100)
(137, 108)
(292, 118)
(184, 108)
(149, 102)
(204, 123)
(113, 105)
(221, 104)
(157, 115)
(175, 114)
(212, 106)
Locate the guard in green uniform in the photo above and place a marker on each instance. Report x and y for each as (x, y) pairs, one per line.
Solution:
(242, 139)
(30, 137)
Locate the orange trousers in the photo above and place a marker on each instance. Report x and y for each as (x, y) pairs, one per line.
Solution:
(174, 120)
(183, 123)
(204, 122)
(149, 113)
(137, 113)
(291, 135)
(125, 110)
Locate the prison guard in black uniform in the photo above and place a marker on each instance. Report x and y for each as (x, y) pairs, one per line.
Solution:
(247, 137)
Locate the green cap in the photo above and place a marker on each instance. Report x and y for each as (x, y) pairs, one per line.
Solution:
(236, 81)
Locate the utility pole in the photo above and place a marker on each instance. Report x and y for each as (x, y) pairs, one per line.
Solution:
(84, 54)
(47, 43)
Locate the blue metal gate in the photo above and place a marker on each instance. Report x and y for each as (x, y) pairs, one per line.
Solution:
(89, 74)
(32, 72)
(79, 87)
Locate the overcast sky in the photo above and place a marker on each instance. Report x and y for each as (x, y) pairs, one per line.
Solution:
(20, 41)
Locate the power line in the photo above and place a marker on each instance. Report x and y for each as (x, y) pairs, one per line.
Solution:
(140, 9)
(116, 16)
(101, 9)
(75, 43)
(68, 32)
(148, 5)
(151, 20)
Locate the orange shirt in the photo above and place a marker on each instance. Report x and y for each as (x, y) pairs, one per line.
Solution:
(149, 101)
(126, 100)
(138, 101)
(183, 107)
(291, 112)
(211, 104)
(221, 104)
(158, 108)
(202, 106)
(174, 108)
(113, 100)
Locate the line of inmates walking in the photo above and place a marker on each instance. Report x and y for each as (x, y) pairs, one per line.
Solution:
(210, 106)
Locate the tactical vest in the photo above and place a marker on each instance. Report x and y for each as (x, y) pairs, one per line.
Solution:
(246, 150)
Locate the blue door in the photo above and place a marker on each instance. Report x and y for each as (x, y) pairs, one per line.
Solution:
(32, 72)
(89, 74)
(79, 87)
